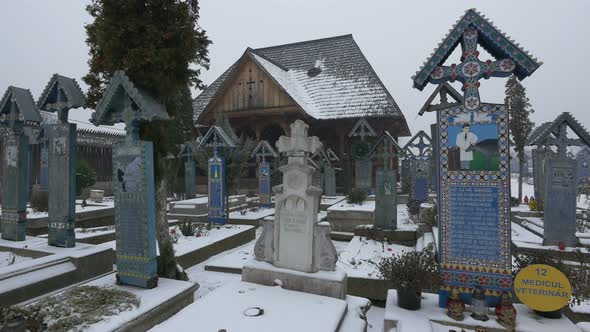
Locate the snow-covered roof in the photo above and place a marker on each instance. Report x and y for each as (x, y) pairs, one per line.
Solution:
(328, 79)
(81, 117)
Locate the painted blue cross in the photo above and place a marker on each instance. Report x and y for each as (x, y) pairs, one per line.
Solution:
(471, 70)
(421, 145)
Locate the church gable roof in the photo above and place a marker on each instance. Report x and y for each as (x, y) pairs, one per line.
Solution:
(328, 78)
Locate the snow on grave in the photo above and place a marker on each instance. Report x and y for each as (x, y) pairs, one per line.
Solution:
(148, 308)
(49, 269)
(254, 308)
(191, 250)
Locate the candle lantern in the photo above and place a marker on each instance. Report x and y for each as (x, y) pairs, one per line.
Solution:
(479, 308)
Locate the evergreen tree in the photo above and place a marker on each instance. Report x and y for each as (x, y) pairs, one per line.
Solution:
(162, 49)
(519, 110)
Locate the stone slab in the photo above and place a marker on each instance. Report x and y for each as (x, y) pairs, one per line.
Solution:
(430, 315)
(156, 305)
(87, 219)
(53, 268)
(284, 310)
(399, 236)
(202, 254)
(326, 283)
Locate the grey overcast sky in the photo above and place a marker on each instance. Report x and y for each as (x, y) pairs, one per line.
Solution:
(41, 37)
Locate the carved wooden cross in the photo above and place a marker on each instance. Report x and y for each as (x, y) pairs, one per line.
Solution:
(471, 70)
(386, 153)
(562, 141)
(129, 115)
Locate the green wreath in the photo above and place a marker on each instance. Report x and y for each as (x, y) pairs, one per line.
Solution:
(360, 150)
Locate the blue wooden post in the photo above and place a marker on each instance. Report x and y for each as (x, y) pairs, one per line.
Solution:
(216, 213)
(44, 172)
(135, 213)
(17, 110)
(15, 185)
(133, 180)
(264, 185)
(60, 95)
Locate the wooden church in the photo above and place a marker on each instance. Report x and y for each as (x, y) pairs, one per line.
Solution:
(328, 83)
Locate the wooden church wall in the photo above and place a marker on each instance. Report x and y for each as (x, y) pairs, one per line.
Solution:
(251, 89)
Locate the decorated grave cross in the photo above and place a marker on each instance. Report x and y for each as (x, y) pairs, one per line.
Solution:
(133, 179)
(263, 150)
(18, 114)
(60, 95)
(470, 30)
(556, 177)
(363, 166)
(473, 195)
(216, 138)
(386, 181)
(190, 173)
(471, 70)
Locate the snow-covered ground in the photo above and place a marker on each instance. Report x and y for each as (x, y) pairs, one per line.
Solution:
(107, 203)
(209, 280)
(360, 256)
(187, 244)
(250, 214)
(366, 206)
(8, 258)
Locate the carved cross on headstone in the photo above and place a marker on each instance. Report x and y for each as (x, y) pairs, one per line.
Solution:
(13, 117)
(562, 141)
(298, 146)
(471, 70)
(130, 116)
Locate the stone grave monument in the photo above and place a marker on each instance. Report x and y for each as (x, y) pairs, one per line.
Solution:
(386, 148)
(363, 167)
(133, 179)
(419, 154)
(190, 169)
(18, 114)
(560, 182)
(473, 160)
(216, 138)
(295, 247)
(261, 152)
(60, 95)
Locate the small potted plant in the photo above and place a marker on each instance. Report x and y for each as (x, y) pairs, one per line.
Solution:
(411, 273)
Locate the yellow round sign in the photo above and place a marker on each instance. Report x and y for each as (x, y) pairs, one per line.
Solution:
(542, 287)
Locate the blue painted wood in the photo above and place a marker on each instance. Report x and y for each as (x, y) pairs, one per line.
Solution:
(216, 211)
(559, 221)
(44, 172)
(474, 207)
(386, 199)
(62, 184)
(133, 179)
(135, 213)
(15, 185)
(264, 185)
